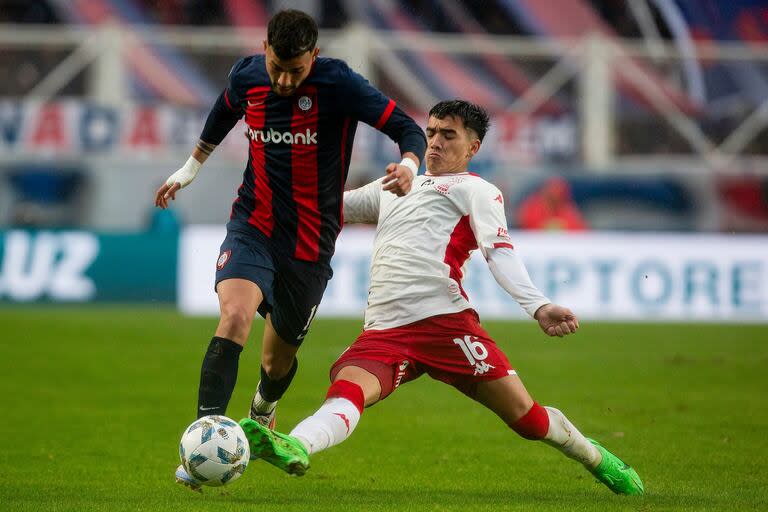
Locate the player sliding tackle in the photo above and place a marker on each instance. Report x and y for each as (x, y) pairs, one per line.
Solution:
(418, 318)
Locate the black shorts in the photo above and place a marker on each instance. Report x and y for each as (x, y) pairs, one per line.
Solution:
(292, 288)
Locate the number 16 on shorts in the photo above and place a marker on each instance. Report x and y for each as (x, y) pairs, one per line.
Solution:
(475, 352)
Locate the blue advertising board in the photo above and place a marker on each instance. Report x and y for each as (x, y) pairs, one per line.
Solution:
(82, 266)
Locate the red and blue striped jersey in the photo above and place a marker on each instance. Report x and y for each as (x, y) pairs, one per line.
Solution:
(299, 151)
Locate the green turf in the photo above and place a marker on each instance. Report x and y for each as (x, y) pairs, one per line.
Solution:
(96, 399)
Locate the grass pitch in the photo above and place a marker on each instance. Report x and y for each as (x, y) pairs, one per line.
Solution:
(97, 398)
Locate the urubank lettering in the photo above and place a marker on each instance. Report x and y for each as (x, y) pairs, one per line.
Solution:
(272, 135)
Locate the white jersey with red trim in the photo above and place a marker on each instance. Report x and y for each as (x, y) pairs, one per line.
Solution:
(423, 241)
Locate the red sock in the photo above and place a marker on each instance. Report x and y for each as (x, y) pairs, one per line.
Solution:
(348, 390)
(534, 424)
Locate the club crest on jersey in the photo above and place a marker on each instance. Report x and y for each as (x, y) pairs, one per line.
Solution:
(446, 185)
(305, 103)
(223, 259)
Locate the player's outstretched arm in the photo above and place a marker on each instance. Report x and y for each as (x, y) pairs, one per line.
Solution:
(509, 271)
(399, 178)
(184, 175)
(361, 205)
(556, 320)
(369, 105)
(221, 119)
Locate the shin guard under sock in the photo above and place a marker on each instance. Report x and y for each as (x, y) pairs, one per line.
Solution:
(335, 420)
(218, 376)
(272, 390)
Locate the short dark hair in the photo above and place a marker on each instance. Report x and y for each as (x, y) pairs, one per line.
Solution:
(473, 116)
(291, 33)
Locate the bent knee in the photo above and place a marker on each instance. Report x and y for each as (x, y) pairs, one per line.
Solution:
(364, 379)
(235, 322)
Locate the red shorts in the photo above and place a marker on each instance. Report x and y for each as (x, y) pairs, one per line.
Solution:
(451, 348)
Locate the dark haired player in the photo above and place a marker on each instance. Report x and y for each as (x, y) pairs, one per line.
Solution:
(301, 111)
(426, 324)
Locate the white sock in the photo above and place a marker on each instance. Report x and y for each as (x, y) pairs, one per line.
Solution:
(260, 405)
(330, 425)
(566, 438)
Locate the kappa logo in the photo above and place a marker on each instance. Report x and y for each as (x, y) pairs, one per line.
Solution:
(499, 199)
(223, 259)
(475, 352)
(343, 417)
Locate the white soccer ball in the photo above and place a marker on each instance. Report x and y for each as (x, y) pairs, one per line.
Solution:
(214, 450)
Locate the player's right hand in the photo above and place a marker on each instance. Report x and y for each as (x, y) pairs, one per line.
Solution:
(556, 320)
(398, 180)
(165, 193)
(177, 181)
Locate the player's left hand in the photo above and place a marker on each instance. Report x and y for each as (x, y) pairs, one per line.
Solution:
(556, 320)
(398, 180)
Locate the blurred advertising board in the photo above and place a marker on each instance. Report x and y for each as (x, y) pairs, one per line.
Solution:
(601, 276)
(80, 129)
(72, 128)
(82, 266)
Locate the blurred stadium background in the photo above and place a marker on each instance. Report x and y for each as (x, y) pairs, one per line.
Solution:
(618, 117)
(629, 138)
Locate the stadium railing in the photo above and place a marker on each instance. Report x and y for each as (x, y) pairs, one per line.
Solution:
(630, 100)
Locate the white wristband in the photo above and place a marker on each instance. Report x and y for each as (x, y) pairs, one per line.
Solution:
(186, 174)
(409, 163)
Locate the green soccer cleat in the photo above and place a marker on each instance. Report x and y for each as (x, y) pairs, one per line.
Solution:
(265, 419)
(616, 474)
(281, 450)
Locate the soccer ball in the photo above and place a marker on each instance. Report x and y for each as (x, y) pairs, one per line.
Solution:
(214, 450)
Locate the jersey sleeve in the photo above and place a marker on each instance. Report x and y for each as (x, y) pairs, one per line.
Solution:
(227, 109)
(484, 204)
(362, 100)
(509, 271)
(365, 102)
(361, 205)
(234, 94)
(220, 121)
